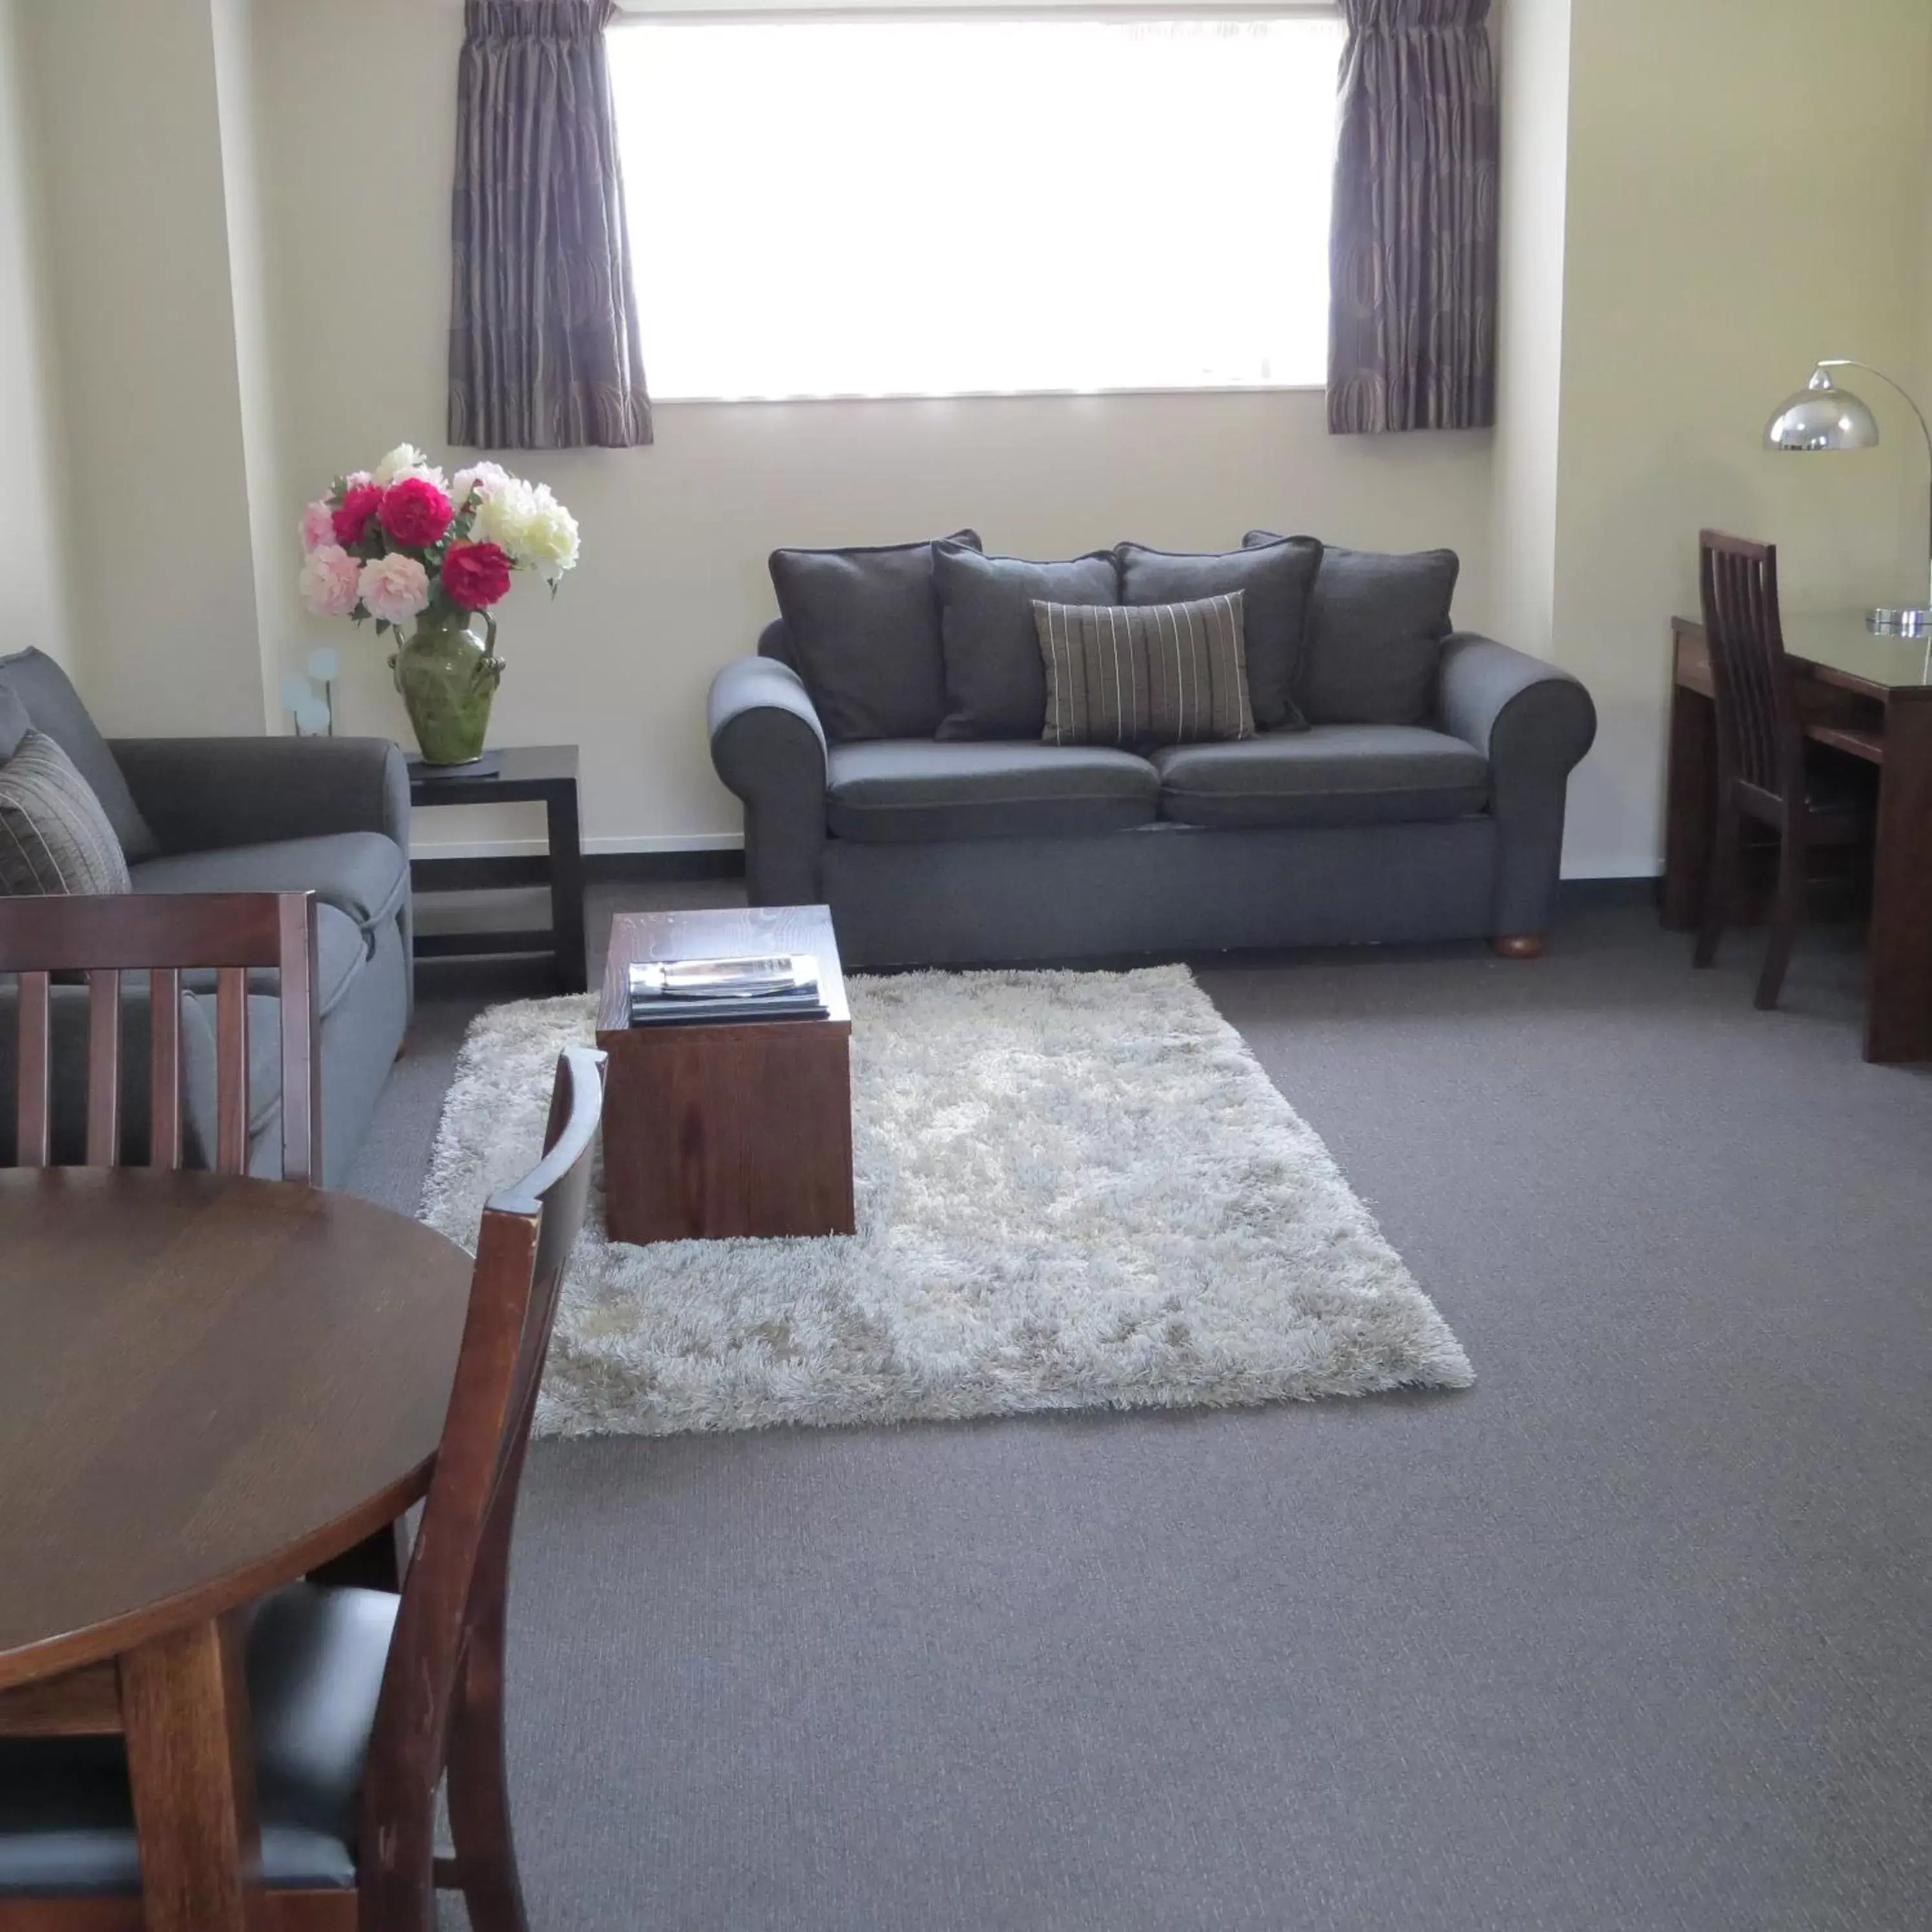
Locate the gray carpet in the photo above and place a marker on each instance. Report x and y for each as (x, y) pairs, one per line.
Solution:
(1633, 1634)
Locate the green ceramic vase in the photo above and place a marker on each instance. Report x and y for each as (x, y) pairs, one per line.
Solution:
(448, 676)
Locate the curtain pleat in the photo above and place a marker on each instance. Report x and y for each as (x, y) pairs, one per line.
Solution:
(1412, 245)
(544, 349)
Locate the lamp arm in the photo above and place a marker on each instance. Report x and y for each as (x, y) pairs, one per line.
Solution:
(1924, 430)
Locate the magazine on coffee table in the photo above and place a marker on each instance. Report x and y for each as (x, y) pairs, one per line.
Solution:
(686, 992)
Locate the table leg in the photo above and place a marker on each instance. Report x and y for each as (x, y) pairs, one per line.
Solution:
(190, 1761)
(1689, 807)
(566, 889)
(1898, 994)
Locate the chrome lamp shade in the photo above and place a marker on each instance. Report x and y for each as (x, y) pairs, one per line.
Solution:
(1823, 416)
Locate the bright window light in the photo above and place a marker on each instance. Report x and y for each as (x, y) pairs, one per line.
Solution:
(909, 207)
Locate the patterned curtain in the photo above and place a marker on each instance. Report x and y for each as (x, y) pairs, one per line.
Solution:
(543, 324)
(1412, 248)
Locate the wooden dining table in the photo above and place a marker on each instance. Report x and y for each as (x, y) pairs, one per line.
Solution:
(209, 1387)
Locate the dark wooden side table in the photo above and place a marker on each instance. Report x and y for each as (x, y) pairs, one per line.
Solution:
(546, 774)
(711, 1131)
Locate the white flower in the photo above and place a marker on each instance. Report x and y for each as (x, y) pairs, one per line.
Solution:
(394, 588)
(550, 544)
(504, 514)
(487, 475)
(405, 460)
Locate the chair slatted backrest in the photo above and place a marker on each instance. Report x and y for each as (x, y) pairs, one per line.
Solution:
(164, 934)
(459, 1568)
(1760, 733)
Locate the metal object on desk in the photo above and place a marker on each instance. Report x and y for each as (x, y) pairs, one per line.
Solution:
(1821, 416)
(541, 774)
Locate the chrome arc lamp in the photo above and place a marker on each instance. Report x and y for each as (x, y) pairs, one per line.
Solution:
(1821, 416)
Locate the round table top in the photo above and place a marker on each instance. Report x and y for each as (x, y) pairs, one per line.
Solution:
(208, 1386)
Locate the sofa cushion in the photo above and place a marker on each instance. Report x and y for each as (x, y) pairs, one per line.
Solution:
(1376, 624)
(1274, 580)
(54, 835)
(54, 706)
(1138, 675)
(1329, 775)
(916, 790)
(362, 874)
(863, 629)
(995, 684)
(14, 723)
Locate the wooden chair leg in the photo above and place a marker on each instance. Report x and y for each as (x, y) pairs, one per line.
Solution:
(1720, 882)
(479, 1791)
(1785, 916)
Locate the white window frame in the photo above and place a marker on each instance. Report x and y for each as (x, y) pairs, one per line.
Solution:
(795, 11)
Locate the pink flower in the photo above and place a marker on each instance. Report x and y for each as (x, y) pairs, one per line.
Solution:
(476, 574)
(330, 582)
(318, 524)
(394, 588)
(416, 512)
(356, 517)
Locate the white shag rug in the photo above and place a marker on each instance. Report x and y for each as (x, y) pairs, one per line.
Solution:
(1075, 1190)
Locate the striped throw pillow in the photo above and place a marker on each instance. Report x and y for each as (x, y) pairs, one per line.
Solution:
(1138, 675)
(54, 835)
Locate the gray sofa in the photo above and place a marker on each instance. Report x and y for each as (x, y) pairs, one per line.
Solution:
(1352, 829)
(330, 815)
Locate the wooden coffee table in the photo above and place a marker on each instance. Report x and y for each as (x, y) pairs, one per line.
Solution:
(732, 1129)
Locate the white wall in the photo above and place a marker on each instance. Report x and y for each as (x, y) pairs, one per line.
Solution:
(673, 581)
(1746, 193)
(129, 155)
(32, 592)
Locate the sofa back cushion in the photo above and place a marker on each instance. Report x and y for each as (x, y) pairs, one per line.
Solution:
(995, 681)
(1376, 624)
(54, 836)
(54, 706)
(1274, 580)
(863, 631)
(1139, 675)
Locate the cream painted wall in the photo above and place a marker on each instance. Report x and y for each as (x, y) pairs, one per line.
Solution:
(1746, 193)
(673, 582)
(162, 608)
(33, 600)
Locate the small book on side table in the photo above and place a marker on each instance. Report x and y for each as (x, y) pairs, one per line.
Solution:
(727, 991)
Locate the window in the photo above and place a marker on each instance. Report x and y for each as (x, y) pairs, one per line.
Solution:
(948, 206)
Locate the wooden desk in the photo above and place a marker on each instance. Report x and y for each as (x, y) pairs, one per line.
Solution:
(209, 1387)
(1870, 697)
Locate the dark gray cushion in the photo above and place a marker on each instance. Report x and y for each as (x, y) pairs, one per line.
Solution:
(14, 723)
(315, 1659)
(1330, 775)
(54, 836)
(864, 632)
(1376, 625)
(995, 684)
(55, 707)
(1274, 580)
(360, 873)
(917, 789)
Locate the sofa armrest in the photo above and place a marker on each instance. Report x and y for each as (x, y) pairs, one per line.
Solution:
(768, 746)
(200, 794)
(1533, 722)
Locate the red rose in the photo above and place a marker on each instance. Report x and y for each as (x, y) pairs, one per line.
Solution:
(416, 512)
(358, 509)
(476, 574)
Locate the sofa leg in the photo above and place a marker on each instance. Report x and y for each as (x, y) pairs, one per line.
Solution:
(1518, 945)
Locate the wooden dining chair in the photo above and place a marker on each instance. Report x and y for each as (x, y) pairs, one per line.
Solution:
(363, 1704)
(1766, 771)
(163, 935)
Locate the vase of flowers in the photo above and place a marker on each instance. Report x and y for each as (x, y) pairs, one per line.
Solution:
(404, 545)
